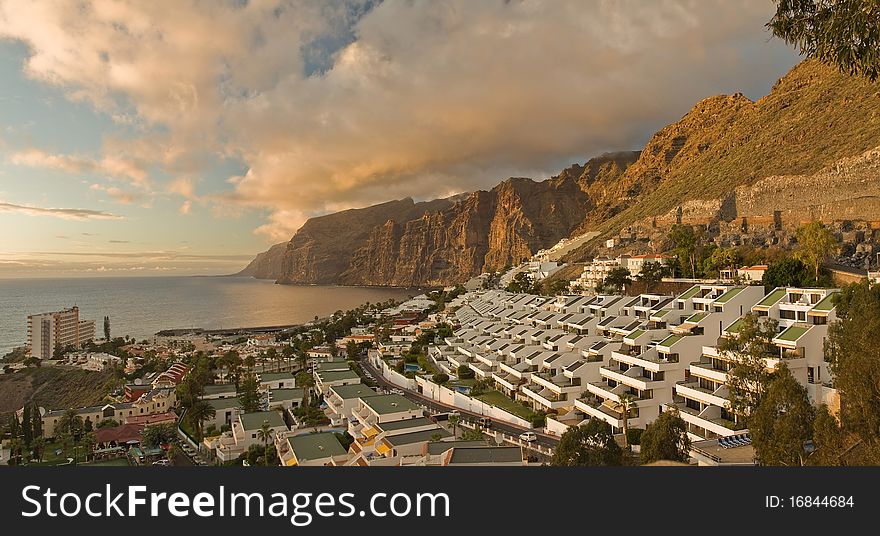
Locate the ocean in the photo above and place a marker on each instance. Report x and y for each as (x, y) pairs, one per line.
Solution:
(142, 306)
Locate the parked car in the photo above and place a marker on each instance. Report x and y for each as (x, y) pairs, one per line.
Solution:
(161, 462)
(528, 436)
(485, 422)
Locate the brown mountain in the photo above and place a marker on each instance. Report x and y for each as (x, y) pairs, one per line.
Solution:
(704, 163)
(402, 243)
(813, 117)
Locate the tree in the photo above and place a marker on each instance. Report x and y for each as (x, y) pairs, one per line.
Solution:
(464, 372)
(159, 434)
(265, 434)
(453, 422)
(783, 422)
(198, 413)
(750, 345)
(588, 444)
(617, 278)
(844, 33)
(827, 439)
(352, 350)
(666, 439)
(36, 423)
(815, 245)
(521, 284)
(472, 435)
(248, 393)
(106, 328)
(440, 378)
(787, 272)
(651, 274)
(627, 403)
(853, 354)
(27, 431)
(687, 242)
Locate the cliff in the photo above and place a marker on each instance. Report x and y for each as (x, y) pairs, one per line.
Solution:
(727, 157)
(812, 118)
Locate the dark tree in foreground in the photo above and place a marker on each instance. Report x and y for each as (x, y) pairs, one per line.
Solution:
(845, 33)
(853, 353)
(666, 439)
(783, 423)
(589, 444)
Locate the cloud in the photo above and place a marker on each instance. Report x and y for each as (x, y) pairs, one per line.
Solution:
(63, 213)
(120, 196)
(334, 105)
(108, 166)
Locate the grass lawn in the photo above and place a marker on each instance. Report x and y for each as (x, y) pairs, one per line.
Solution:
(499, 399)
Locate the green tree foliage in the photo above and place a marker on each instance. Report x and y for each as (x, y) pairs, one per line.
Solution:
(815, 245)
(687, 241)
(787, 272)
(440, 378)
(617, 279)
(464, 372)
(198, 413)
(853, 354)
(828, 439)
(783, 422)
(106, 328)
(159, 434)
(522, 284)
(751, 345)
(651, 274)
(588, 444)
(845, 33)
(248, 393)
(666, 439)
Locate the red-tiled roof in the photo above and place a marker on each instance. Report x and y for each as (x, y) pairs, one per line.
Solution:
(119, 434)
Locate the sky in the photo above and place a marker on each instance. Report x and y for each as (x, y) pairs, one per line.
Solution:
(183, 137)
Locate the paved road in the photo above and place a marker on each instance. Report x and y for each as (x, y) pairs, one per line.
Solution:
(509, 429)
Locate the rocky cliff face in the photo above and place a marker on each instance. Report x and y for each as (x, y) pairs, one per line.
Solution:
(705, 163)
(402, 243)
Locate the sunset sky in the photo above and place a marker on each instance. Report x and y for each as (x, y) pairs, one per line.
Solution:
(152, 137)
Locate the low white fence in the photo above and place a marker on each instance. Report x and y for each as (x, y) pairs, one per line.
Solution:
(450, 397)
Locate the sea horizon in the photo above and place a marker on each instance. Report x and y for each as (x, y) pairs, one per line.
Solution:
(142, 305)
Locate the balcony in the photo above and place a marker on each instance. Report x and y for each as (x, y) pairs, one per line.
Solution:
(605, 410)
(710, 369)
(694, 391)
(709, 420)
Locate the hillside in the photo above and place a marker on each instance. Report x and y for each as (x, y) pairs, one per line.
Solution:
(53, 388)
(728, 157)
(813, 117)
(402, 243)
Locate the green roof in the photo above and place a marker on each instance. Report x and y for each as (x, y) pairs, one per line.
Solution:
(724, 298)
(403, 424)
(254, 421)
(220, 389)
(696, 317)
(826, 304)
(661, 313)
(690, 293)
(490, 454)
(315, 446)
(336, 375)
(670, 340)
(772, 298)
(356, 390)
(792, 334)
(325, 366)
(276, 376)
(735, 327)
(286, 394)
(224, 403)
(635, 334)
(417, 437)
(383, 404)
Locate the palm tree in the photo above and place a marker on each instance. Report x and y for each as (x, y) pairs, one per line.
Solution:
(265, 433)
(199, 412)
(627, 402)
(453, 421)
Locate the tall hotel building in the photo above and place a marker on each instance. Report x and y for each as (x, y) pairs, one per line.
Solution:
(47, 331)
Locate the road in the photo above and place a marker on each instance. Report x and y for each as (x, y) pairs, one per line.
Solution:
(510, 429)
